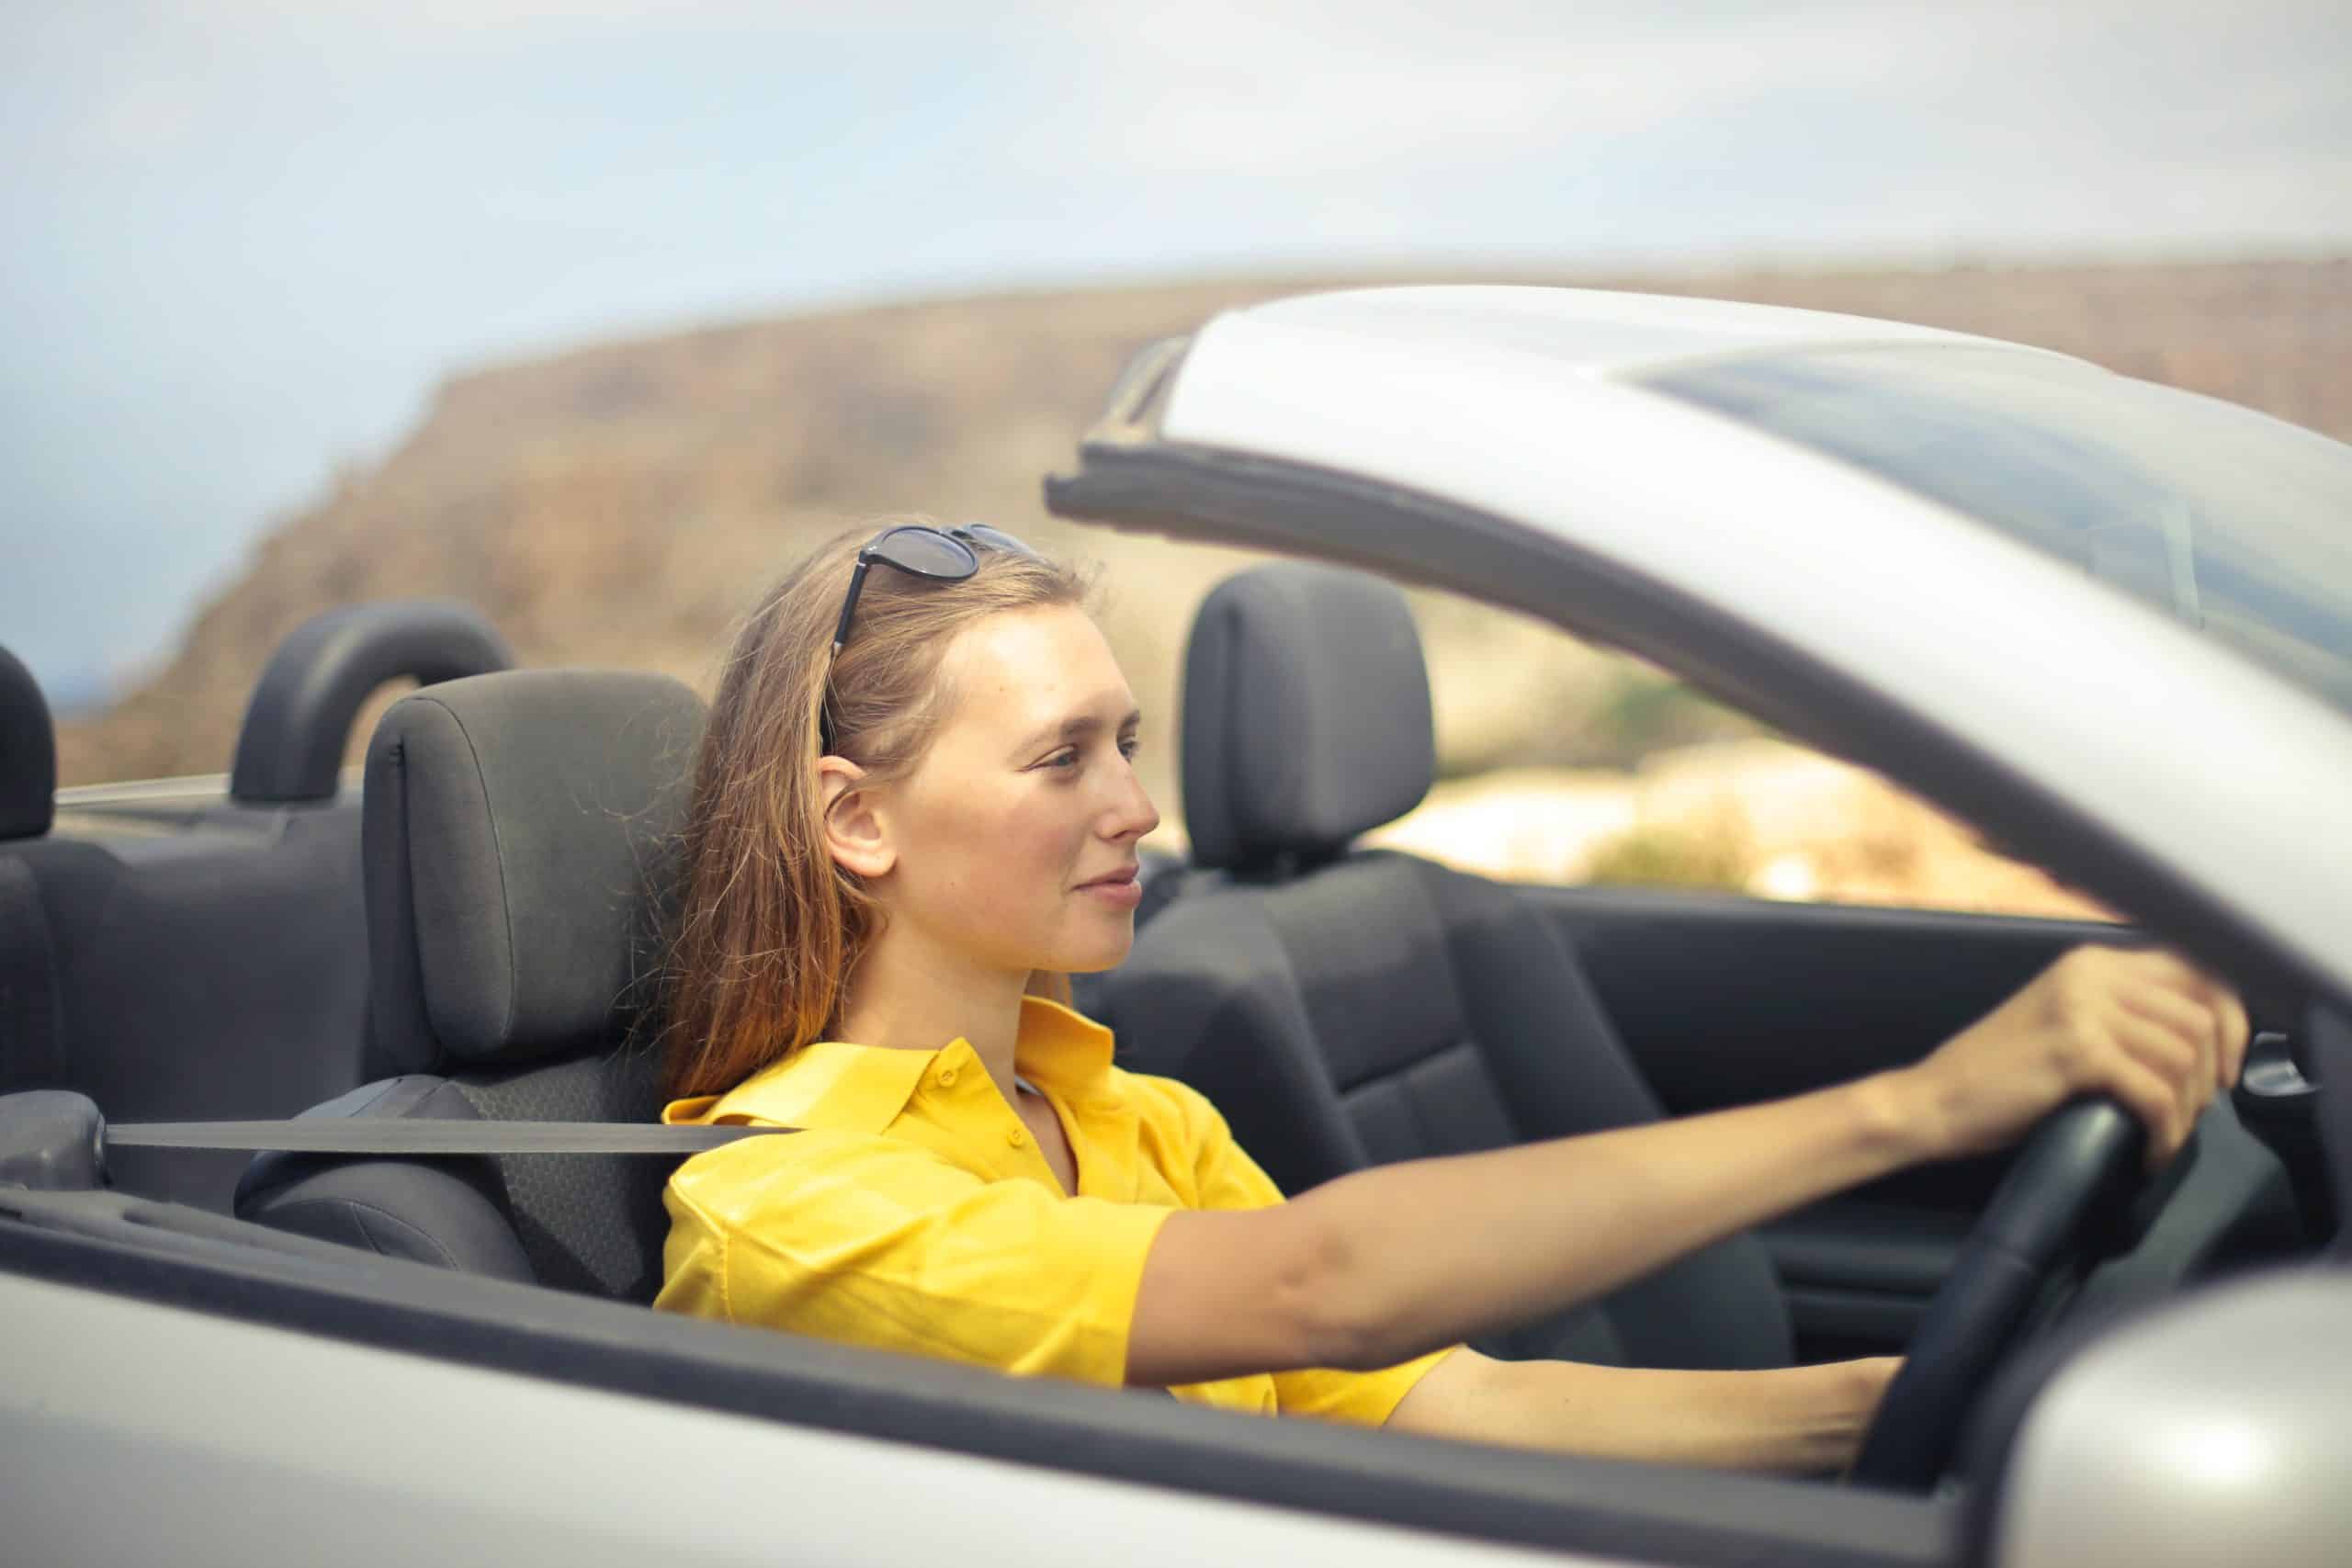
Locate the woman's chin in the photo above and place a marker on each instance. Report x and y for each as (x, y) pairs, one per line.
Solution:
(1094, 953)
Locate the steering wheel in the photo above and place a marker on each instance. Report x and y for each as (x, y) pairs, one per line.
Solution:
(2079, 1160)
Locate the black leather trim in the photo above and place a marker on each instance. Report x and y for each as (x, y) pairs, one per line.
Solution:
(452, 1213)
(1867, 1246)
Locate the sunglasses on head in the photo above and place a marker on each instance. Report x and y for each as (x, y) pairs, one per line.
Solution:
(936, 555)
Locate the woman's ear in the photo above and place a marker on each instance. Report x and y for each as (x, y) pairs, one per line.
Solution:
(857, 835)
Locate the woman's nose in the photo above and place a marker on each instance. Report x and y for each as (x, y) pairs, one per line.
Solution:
(1132, 815)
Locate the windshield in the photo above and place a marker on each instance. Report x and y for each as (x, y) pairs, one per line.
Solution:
(2236, 523)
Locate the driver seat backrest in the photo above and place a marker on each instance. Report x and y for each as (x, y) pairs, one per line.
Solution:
(518, 836)
(1346, 1007)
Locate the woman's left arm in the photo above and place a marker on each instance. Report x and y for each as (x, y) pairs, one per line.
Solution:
(1805, 1420)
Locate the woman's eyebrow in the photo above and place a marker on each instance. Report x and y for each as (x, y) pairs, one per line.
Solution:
(1078, 727)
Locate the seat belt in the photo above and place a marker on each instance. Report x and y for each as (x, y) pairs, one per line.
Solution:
(429, 1135)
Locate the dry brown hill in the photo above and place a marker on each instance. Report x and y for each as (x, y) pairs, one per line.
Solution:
(621, 503)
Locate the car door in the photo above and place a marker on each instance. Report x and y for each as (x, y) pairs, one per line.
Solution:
(1724, 1001)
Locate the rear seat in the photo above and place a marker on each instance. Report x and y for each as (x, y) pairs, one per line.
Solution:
(205, 957)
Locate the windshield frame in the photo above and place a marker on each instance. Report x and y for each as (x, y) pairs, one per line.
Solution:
(1129, 480)
(2110, 475)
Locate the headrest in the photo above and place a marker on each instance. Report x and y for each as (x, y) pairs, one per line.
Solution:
(27, 753)
(518, 834)
(1306, 715)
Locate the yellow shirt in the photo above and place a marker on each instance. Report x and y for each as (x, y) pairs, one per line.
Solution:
(915, 1212)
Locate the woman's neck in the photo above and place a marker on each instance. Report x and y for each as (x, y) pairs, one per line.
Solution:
(910, 994)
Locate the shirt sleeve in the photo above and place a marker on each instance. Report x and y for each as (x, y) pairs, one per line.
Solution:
(1227, 1178)
(865, 1239)
(1224, 1177)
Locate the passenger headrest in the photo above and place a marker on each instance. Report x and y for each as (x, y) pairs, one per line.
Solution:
(1306, 715)
(519, 833)
(27, 753)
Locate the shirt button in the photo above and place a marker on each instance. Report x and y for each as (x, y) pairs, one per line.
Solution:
(1017, 1138)
(947, 1077)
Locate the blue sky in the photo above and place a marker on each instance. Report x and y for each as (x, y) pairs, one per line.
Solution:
(245, 239)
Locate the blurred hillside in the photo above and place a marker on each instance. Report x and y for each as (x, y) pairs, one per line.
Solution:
(621, 504)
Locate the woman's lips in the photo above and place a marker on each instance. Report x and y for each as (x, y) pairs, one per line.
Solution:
(1121, 890)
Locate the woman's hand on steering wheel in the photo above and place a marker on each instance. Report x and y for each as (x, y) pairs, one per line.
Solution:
(2157, 1034)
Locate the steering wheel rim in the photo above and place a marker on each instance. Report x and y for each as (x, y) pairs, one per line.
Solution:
(2082, 1158)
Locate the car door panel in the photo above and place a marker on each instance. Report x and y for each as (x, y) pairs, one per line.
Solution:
(1860, 1274)
(1724, 1001)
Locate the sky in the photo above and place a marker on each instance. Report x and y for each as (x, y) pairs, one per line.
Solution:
(243, 241)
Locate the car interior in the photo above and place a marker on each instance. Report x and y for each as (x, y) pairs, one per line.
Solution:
(472, 937)
(198, 948)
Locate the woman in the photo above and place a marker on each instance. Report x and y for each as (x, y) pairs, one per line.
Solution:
(915, 811)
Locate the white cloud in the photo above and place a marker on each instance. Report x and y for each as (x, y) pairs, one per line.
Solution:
(2108, 109)
(1229, 88)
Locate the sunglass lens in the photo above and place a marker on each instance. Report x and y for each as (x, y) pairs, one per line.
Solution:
(994, 538)
(926, 552)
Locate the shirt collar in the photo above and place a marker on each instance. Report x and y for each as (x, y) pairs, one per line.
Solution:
(863, 1089)
(1062, 1049)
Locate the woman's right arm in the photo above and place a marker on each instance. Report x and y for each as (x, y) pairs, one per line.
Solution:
(1384, 1264)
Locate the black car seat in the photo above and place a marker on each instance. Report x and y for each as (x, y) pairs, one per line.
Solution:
(1350, 1007)
(205, 958)
(518, 829)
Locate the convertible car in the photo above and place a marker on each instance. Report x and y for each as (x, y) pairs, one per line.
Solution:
(2107, 624)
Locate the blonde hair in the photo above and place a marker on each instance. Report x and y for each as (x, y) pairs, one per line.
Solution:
(769, 928)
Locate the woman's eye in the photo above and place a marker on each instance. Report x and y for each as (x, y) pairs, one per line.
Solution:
(1070, 759)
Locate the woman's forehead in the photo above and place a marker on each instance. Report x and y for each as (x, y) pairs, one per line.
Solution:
(1024, 670)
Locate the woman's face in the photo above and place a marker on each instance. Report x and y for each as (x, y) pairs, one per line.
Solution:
(1014, 839)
